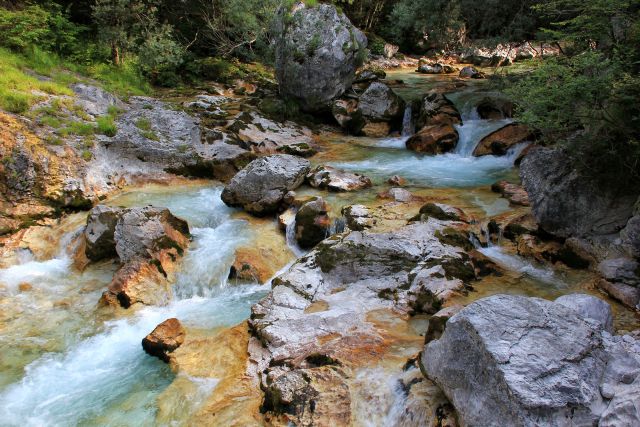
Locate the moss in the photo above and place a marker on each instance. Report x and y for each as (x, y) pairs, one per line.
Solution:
(150, 135)
(143, 124)
(86, 155)
(452, 237)
(313, 45)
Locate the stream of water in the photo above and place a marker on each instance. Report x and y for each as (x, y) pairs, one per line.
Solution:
(95, 379)
(64, 364)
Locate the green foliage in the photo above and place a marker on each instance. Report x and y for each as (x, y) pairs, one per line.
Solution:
(35, 26)
(219, 69)
(106, 126)
(426, 24)
(143, 124)
(588, 100)
(376, 44)
(238, 28)
(16, 86)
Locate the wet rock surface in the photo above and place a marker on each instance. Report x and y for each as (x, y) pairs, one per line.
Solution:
(148, 242)
(512, 192)
(313, 224)
(261, 186)
(500, 382)
(337, 180)
(567, 203)
(317, 51)
(315, 321)
(99, 232)
(435, 123)
(502, 140)
(164, 339)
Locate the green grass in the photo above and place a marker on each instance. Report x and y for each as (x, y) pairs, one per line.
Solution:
(106, 126)
(77, 128)
(150, 135)
(17, 87)
(19, 84)
(143, 124)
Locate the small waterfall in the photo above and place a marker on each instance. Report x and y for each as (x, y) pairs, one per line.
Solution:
(337, 226)
(290, 236)
(407, 122)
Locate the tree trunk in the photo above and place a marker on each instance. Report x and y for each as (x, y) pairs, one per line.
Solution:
(115, 54)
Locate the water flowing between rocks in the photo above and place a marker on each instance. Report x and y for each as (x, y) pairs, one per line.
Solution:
(66, 363)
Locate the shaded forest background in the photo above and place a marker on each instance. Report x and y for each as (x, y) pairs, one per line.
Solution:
(586, 99)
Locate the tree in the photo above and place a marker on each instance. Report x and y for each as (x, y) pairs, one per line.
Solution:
(121, 22)
(233, 28)
(426, 24)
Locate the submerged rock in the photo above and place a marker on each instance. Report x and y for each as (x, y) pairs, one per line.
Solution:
(512, 360)
(500, 141)
(261, 187)
(317, 52)
(566, 202)
(164, 339)
(512, 192)
(337, 180)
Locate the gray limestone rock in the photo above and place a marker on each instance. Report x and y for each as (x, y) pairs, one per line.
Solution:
(260, 187)
(317, 53)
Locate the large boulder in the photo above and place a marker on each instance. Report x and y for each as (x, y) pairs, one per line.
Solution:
(148, 241)
(317, 52)
(260, 187)
(164, 339)
(436, 109)
(566, 202)
(143, 232)
(381, 109)
(500, 141)
(513, 360)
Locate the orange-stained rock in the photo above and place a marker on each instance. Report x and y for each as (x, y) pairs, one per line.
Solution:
(435, 139)
(219, 356)
(512, 192)
(376, 129)
(500, 141)
(139, 281)
(164, 339)
(251, 265)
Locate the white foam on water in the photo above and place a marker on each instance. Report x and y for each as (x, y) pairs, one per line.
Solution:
(520, 265)
(99, 373)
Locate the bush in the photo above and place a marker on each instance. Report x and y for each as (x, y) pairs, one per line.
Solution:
(106, 126)
(34, 26)
(219, 69)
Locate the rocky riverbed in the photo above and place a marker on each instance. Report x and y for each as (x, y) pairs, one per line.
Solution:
(410, 264)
